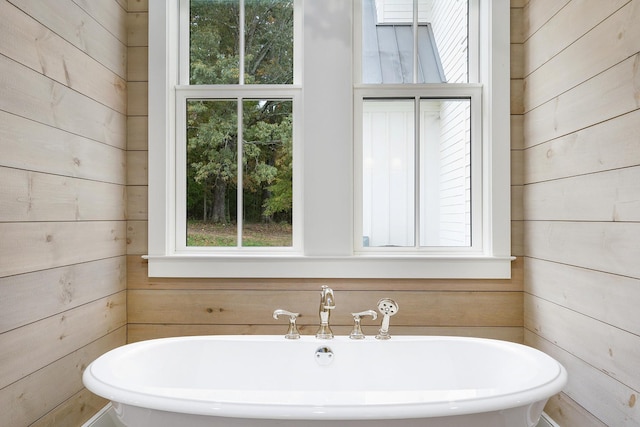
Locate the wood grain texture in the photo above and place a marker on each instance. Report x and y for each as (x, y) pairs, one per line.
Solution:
(432, 308)
(28, 42)
(603, 46)
(34, 146)
(36, 97)
(44, 393)
(551, 26)
(71, 22)
(31, 246)
(49, 339)
(34, 196)
(599, 398)
(56, 290)
(62, 203)
(581, 203)
(603, 97)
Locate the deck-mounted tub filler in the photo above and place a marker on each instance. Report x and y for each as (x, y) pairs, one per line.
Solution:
(295, 381)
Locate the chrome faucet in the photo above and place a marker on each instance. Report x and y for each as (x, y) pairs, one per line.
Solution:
(327, 303)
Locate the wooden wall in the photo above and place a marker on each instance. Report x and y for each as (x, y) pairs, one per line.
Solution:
(62, 203)
(167, 307)
(73, 105)
(582, 202)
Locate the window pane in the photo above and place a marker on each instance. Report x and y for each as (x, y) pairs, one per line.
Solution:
(450, 23)
(267, 173)
(213, 42)
(388, 173)
(445, 172)
(388, 49)
(269, 41)
(212, 172)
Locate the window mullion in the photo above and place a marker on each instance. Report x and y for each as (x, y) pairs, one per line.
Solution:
(240, 186)
(415, 41)
(239, 162)
(417, 175)
(241, 42)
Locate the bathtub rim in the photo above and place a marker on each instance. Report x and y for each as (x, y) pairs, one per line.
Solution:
(529, 397)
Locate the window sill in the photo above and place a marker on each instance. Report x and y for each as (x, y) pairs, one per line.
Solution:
(366, 267)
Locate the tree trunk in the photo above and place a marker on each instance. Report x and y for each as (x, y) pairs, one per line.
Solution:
(217, 208)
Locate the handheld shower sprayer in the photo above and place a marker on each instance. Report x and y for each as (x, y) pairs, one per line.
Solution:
(387, 307)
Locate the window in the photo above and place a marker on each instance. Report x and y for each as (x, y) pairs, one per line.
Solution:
(234, 139)
(378, 138)
(418, 153)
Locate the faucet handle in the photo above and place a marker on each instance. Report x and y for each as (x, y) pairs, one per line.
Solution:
(292, 332)
(356, 333)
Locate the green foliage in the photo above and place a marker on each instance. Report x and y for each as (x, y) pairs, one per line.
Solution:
(212, 124)
(281, 190)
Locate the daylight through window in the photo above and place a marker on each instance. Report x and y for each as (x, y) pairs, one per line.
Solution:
(239, 151)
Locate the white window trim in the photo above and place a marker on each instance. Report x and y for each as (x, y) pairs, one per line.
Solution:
(327, 234)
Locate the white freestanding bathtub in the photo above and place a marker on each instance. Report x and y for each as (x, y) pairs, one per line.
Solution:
(269, 381)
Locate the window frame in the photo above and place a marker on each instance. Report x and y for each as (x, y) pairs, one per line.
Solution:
(236, 93)
(444, 91)
(326, 247)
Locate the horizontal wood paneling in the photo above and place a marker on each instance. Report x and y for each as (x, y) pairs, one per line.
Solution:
(605, 196)
(537, 13)
(111, 14)
(605, 96)
(599, 295)
(63, 203)
(29, 145)
(137, 236)
(433, 308)
(137, 168)
(28, 42)
(555, 25)
(609, 145)
(67, 19)
(599, 344)
(137, 5)
(27, 349)
(57, 290)
(74, 411)
(46, 389)
(38, 98)
(564, 410)
(137, 64)
(609, 401)
(137, 202)
(31, 246)
(607, 44)
(34, 196)
(137, 132)
(605, 246)
(581, 202)
(137, 25)
(138, 94)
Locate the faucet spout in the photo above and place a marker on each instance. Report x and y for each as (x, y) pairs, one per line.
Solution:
(327, 303)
